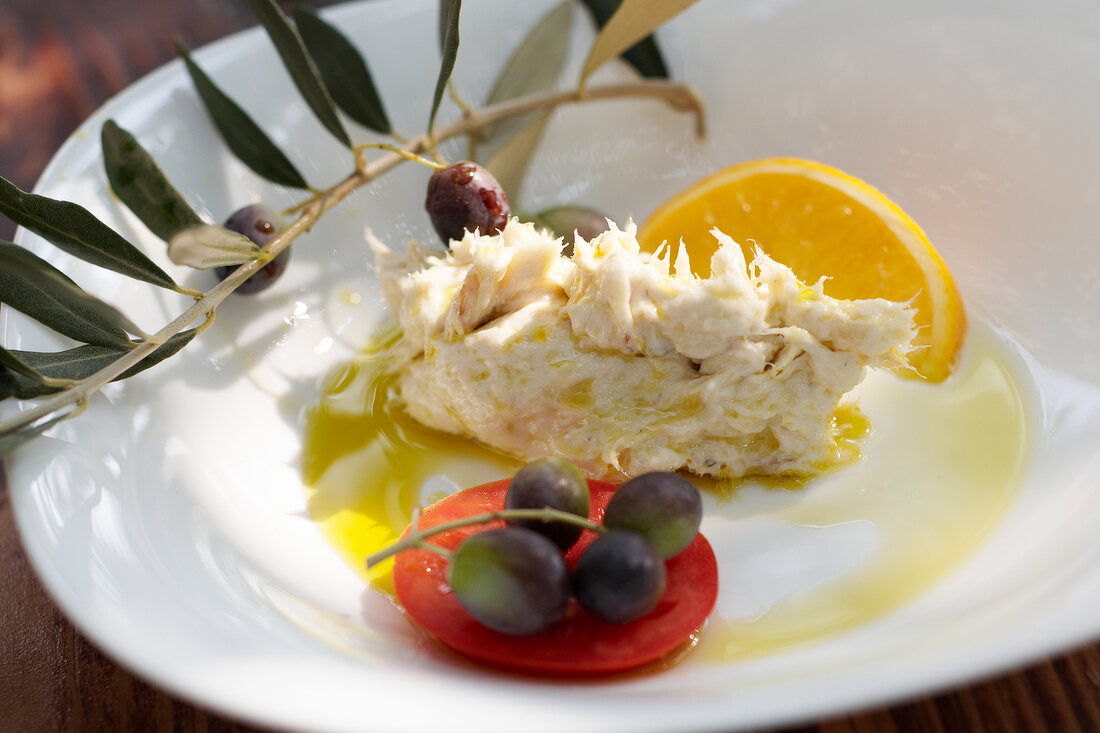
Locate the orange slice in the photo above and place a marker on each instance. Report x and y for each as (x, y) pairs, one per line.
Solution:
(822, 222)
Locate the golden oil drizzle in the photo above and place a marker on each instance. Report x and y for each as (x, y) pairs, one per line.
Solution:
(850, 428)
(944, 464)
(366, 461)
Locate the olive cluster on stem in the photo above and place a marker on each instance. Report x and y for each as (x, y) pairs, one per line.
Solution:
(514, 579)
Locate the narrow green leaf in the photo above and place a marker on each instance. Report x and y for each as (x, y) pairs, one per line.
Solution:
(162, 352)
(10, 361)
(14, 384)
(538, 59)
(534, 66)
(79, 363)
(627, 26)
(343, 69)
(35, 287)
(301, 67)
(644, 55)
(12, 440)
(139, 182)
(207, 247)
(77, 231)
(510, 162)
(449, 11)
(241, 134)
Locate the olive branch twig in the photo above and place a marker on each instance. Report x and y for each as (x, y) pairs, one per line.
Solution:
(416, 538)
(680, 96)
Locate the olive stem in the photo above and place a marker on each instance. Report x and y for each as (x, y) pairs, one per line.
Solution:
(196, 294)
(461, 103)
(298, 207)
(415, 538)
(361, 161)
(433, 548)
(56, 382)
(680, 96)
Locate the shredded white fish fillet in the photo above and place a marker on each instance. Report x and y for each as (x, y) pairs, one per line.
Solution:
(622, 364)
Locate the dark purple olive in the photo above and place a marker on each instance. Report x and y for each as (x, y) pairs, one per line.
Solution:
(553, 483)
(256, 223)
(620, 577)
(663, 507)
(465, 197)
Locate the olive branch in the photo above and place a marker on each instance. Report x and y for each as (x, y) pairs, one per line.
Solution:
(330, 75)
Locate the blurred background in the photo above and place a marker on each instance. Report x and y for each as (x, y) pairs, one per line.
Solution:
(61, 59)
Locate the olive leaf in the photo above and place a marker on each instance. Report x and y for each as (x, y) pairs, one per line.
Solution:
(633, 21)
(210, 246)
(8, 360)
(139, 182)
(241, 134)
(15, 384)
(79, 363)
(343, 70)
(300, 66)
(449, 11)
(534, 66)
(510, 162)
(35, 287)
(644, 55)
(77, 231)
(22, 388)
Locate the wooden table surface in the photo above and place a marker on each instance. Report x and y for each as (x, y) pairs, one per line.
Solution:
(61, 59)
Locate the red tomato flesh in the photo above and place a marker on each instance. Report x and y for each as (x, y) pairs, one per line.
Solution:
(579, 644)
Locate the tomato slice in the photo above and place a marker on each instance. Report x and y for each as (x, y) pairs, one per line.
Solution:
(579, 644)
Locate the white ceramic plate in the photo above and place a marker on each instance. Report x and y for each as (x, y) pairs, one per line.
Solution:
(169, 521)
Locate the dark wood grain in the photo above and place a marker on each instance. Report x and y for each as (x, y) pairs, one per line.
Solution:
(61, 59)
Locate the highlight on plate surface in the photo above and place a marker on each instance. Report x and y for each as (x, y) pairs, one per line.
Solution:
(775, 355)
